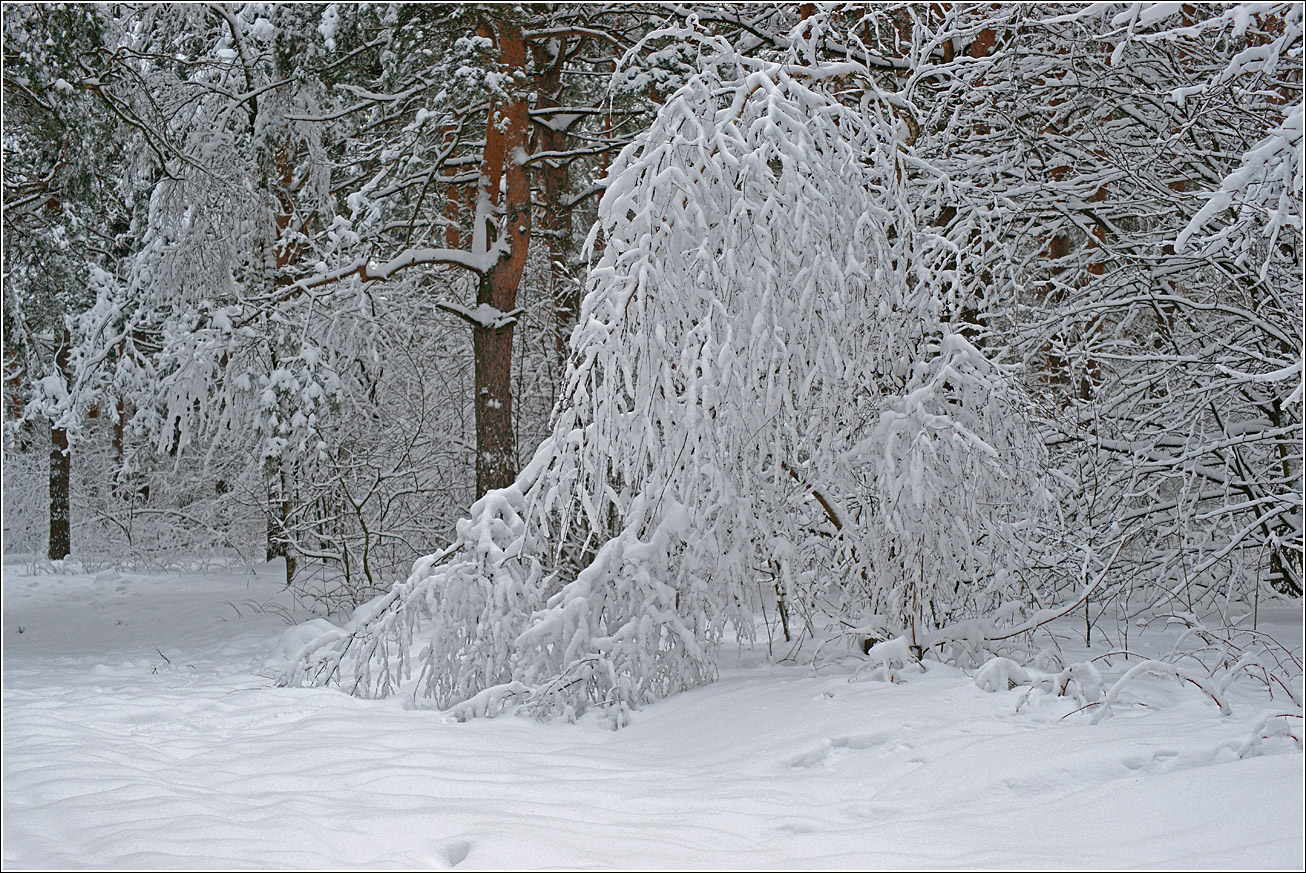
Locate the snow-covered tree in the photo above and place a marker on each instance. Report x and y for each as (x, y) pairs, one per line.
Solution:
(66, 211)
(764, 386)
(325, 177)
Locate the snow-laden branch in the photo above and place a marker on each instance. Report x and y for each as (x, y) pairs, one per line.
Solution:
(1269, 184)
(483, 315)
(368, 270)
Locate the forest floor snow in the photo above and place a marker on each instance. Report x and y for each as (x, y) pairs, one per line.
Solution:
(139, 732)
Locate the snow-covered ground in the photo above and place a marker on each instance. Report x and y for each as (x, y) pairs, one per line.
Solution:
(138, 732)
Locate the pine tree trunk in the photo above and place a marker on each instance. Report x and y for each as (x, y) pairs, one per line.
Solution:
(60, 469)
(496, 455)
(555, 187)
(505, 151)
(60, 472)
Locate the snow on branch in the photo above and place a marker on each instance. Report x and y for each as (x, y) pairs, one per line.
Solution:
(483, 315)
(1266, 190)
(369, 271)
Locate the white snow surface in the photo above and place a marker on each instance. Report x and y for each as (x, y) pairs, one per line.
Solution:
(140, 732)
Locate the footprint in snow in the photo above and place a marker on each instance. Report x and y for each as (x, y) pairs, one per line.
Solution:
(1153, 762)
(831, 744)
(454, 852)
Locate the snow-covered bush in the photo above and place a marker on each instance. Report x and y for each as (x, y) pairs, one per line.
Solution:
(763, 385)
(25, 500)
(958, 483)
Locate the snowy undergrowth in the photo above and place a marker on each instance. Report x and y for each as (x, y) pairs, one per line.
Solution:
(140, 729)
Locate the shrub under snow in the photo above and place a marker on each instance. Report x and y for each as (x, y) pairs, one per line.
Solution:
(765, 400)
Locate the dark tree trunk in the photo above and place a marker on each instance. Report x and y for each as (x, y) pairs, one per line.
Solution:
(496, 454)
(555, 187)
(119, 431)
(60, 469)
(278, 518)
(60, 472)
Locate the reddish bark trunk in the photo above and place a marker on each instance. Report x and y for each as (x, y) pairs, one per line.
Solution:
(496, 455)
(505, 151)
(452, 237)
(554, 185)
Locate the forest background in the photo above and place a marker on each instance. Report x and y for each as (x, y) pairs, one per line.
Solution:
(871, 322)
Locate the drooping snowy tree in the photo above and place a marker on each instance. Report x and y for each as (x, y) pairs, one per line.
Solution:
(1126, 185)
(764, 396)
